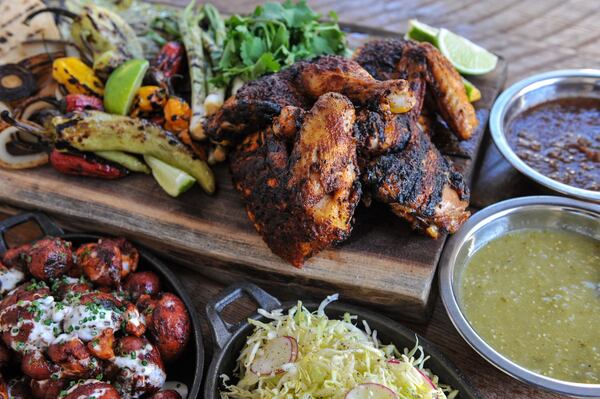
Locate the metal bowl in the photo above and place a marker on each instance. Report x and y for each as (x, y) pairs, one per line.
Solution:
(494, 221)
(188, 369)
(531, 92)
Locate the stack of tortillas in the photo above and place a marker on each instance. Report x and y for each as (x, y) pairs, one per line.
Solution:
(13, 32)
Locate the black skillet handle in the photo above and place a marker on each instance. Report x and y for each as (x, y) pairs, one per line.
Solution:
(47, 226)
(222, 330)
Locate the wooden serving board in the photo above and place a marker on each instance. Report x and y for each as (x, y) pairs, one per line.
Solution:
(383, 264)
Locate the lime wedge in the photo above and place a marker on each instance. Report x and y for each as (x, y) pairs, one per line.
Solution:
(420, 32)
(122, 85)
(174, 181)
(466, 56)
(473, 92)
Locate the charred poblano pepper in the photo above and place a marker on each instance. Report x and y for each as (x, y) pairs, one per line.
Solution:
(103, 35)
(97, 131)
(108, 38)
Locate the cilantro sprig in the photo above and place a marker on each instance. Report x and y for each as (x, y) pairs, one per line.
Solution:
(274, 36)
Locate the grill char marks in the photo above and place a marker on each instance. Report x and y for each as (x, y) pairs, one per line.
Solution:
(422, 63)
(380, 58)
(420, 185)
(299, 202)
(254, 106)
(310, 137)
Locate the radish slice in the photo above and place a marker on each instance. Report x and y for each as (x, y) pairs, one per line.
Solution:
(415, 371)
(274, 354)
(371, 390)
(426, 378)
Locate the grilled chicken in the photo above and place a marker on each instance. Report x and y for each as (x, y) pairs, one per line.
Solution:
(419, 185)
(254, 106)
(300, 169)
(301, 200)
(421, 62)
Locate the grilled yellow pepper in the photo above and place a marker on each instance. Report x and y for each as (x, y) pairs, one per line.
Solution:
(177, 115)
(149, 99)
(77, 77)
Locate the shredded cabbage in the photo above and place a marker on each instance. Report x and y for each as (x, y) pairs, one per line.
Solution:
(334, 356)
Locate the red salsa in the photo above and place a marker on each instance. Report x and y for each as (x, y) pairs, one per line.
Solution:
(561, 140)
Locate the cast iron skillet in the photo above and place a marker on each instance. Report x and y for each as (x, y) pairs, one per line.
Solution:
(229, 339)
(191, 376)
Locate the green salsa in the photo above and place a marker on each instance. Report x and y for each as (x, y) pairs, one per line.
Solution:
(534, 296)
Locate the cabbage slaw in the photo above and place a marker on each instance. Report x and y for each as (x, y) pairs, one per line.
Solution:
(334, 356)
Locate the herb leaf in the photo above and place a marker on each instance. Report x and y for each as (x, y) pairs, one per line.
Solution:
(274, 36)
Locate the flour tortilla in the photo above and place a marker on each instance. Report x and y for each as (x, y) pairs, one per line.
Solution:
(13, 31)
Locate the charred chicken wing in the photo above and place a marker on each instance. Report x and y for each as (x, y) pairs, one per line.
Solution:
(397, 58)
(301, 195)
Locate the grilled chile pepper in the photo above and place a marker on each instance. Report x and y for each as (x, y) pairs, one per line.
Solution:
(149, 99)
(81, 102)
(84, 165)
(99, 131)
(177, 115)
(169, 59)
(103, 34)
(76, 77)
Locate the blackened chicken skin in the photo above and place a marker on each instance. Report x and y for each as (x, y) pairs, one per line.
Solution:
(420, 186)
(301, 200)
(400, 59)
(382, 122)
(253, 107)
(398, 163)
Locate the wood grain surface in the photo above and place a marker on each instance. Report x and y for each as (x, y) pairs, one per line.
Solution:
(533, 36)
(384, 263)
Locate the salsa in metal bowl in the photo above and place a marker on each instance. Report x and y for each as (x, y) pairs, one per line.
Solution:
(561, 139)
(534, 296)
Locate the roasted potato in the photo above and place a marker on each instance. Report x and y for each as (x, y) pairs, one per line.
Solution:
(15, 257)
(92, 313)
(138, 367)
(49, 258)
(67, 285)
(140, 283)
(73, 358)
(135, 324)
(17, 308)
(102, 345)
(170, 326)
(166, 394)
(108, 262)
(35, 365)
(146, 305)
(92, 389)
(47, 389)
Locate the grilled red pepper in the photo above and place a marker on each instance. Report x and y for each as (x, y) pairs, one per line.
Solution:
(84, 165)
(169, 59)
(81, 102)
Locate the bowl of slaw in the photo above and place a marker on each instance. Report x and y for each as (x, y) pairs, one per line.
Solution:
(237, 346)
